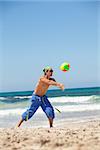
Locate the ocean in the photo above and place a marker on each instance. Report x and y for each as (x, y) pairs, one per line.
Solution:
(77, 104)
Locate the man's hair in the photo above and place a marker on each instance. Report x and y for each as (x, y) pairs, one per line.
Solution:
(46, 69)
(52, 79)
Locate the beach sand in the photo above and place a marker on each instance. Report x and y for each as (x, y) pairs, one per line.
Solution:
(69, 136)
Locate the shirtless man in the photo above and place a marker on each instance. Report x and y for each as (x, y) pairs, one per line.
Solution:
(40, 99)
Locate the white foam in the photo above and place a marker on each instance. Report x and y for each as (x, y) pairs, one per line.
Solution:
(78, 108)
(66, 108)
(17, 111)
(3, 98)
(22, 97)
(77, 99)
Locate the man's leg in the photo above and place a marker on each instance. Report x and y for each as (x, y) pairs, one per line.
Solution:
(30, 112)
(20, 122)
(49, 111)
(50, 122)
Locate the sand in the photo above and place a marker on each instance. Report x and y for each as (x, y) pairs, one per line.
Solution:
(69, 136)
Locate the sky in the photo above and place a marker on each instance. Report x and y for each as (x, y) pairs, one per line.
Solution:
(35, 34)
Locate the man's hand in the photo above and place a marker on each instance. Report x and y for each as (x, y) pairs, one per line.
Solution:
(61, 86)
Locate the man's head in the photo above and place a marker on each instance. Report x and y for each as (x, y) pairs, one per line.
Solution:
(48, 71)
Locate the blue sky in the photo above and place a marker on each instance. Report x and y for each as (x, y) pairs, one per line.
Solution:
(39, 34)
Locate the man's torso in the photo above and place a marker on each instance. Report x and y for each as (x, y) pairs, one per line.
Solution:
(41, 88)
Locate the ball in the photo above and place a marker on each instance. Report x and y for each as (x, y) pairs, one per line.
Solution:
(65, 66)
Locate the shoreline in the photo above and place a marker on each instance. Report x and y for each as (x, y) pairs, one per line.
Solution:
(68, 136)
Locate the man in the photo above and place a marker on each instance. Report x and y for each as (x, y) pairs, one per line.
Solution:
(40, 99)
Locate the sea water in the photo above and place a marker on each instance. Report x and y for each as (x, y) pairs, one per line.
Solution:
(74, 104)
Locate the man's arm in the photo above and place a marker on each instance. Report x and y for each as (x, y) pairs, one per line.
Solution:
(51, 82)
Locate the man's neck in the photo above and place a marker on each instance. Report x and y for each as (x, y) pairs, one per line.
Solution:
(47, 77)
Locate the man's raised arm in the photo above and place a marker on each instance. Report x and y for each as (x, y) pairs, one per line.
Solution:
(51, 82)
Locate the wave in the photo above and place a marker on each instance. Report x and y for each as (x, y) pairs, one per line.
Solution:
(71, 108)
(24, 101)
(79, 99)
(64, 103)
(15, 97)
(22, 97)
(3, 98)
(76, 108)
(14, 112)
(95, 98)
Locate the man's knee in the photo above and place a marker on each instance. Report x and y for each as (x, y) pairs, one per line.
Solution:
(27, 115)
(50, 112)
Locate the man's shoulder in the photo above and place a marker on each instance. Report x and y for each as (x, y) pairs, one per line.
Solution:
(42, 77)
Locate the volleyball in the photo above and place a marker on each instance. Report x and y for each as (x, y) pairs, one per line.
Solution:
(65, 66)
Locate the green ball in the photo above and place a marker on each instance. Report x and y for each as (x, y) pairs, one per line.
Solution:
(65, 66)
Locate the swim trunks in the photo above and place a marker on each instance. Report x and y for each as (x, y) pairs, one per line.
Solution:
(37, 101)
